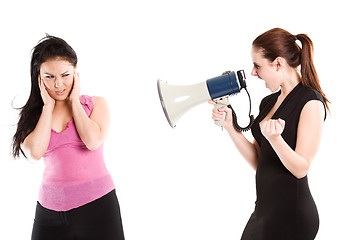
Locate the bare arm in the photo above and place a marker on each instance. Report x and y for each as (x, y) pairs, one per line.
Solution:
(92, 130)
(308, 138)
(37, 142)
(250, 151)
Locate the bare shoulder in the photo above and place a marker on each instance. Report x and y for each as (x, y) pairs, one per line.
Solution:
(99, 100)
(100, 103)
(101, 109)
(311, 120)
(313, 109)
(310, 129)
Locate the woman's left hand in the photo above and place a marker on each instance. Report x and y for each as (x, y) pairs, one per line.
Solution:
(272, 128)
(75, 92)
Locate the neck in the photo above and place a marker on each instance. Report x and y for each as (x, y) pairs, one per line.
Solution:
(290, 83)
(64, 103)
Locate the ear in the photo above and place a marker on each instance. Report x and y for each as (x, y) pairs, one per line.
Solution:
(278, 63)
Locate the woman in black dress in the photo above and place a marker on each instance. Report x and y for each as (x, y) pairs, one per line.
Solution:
(287, 135)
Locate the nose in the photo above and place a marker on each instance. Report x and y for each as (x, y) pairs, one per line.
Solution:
(58, 82)
(254, 72)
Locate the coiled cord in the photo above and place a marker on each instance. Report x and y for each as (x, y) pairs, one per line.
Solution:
(235, 123)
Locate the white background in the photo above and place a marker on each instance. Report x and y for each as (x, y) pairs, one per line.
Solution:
(189, 182)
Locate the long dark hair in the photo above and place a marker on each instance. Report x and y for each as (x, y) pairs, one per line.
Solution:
(278, 42)
(49, 47)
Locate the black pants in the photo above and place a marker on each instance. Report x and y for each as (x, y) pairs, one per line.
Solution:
(98, 220)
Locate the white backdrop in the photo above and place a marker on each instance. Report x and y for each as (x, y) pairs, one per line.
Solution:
(189, 182)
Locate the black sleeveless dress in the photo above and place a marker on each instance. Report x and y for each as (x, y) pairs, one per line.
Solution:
(285, 209)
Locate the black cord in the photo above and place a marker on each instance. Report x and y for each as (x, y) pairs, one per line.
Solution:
(235, 123)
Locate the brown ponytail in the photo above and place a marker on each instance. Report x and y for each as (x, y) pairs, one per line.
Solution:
(278, 42)
(309, 77)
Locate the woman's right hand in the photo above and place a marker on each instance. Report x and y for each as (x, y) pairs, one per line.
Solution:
(218, 114)
(47, 99)
(37, 142)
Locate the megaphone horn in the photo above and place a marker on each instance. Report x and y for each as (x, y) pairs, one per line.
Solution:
(176, 100)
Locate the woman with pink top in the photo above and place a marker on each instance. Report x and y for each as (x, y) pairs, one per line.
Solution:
(77, 198)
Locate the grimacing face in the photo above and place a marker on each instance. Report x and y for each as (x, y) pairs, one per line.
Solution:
(58, 77)
(265, 70)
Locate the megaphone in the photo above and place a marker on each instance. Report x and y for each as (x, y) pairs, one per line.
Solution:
(176, 100)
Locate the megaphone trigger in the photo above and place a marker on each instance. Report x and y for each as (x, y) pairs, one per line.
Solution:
(220, 102)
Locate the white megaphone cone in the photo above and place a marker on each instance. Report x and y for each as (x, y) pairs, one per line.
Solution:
(176, 100)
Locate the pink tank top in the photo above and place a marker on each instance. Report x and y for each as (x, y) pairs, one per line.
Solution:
(73, 174)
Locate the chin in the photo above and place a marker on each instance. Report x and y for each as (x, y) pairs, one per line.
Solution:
(60, 97)
(272, 89)
(275, 89)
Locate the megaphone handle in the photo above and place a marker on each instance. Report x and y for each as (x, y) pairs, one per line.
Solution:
(220, 102)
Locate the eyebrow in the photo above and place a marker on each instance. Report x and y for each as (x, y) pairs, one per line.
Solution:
(53, 74)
